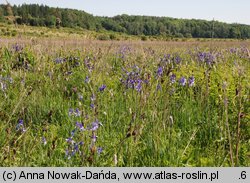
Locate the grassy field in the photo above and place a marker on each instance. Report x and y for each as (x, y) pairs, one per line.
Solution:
(73, 101)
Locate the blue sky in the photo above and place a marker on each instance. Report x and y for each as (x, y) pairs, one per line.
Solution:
(231, 11)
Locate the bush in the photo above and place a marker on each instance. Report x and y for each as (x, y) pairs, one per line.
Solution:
(144, 38)
(112, 37)
(103, 37)
(13, 33)
(7, 33)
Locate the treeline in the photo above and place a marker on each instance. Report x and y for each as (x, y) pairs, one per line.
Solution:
(41, 15)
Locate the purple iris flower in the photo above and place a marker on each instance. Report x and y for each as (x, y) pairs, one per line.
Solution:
(160, 71)
(71, 112)
(44, 141)
(70, 140)
(17, 47)
(80, 96)
(99, 150)
(138, 87)
(87, 79)
(73, 132)
(77, 112)
(20, 126)
(191, 81)
(95, 125)
(94, 138)
(102, 88)
(183, 81)
(173, 78)
(59, 60)
(158, 87)
(177, 59)
(80, 126)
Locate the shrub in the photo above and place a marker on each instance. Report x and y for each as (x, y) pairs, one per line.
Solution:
(103, 37)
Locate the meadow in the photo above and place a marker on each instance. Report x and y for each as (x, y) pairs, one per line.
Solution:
(83, 102)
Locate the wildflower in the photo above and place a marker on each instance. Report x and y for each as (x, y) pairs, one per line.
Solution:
(183, 81)
(67, 154)
(94, 138)
(76, 147)
(87, 79)
(20, 126)
(80, 126)
(92, 106)
(160, 71)
(70, 140)
(73, 147)
(191, 81)
(88, 64)
(95, 125)
(138, 87)
(77, 112)
(201, 56)
(73, 132)
(164, 58)
(158, 87)
(210, 59)
(59, 60)
(133, 79)
(99, 150)
(102, 88)
(173, 78)
(4, 81)
(17, 47)
(80, 96)
(177, 59)
(71, 112)
(77, 64)
(206, 57)
(69, 73)
(233, 50)
(44, 141)
(123, 52)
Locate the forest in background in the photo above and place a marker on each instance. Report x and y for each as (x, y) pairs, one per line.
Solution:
(42, 15)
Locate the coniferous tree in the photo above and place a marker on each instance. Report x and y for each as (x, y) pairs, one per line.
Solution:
(42, 15)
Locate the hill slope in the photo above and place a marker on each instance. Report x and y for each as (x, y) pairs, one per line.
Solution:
(40, 15)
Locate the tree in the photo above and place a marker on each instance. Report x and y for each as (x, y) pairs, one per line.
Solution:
(40, 15)
(50, 21)
(58, 22)
(1, 14)
(8, 9)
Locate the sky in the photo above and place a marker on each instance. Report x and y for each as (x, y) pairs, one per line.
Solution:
(230, 11)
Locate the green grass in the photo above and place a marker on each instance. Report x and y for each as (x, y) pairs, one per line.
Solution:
(173, 125)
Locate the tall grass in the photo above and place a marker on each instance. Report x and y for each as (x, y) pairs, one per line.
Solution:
(124, 104)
